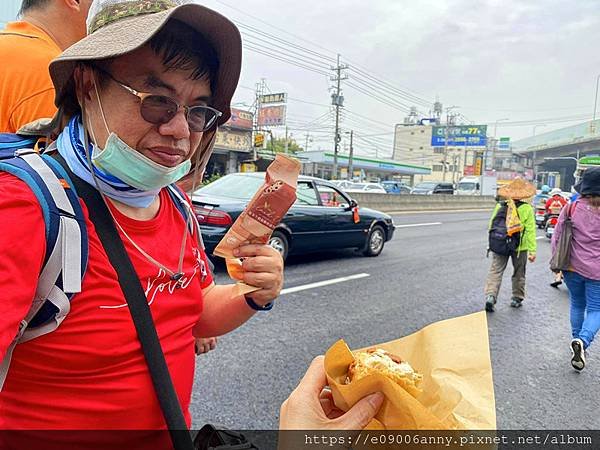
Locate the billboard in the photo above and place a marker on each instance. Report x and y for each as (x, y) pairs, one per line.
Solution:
(240, 119)
(459, 136)
(271, 116)
(272, 98)
(234, 140)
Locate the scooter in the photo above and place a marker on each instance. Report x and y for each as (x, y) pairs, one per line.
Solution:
(540, 215)
(551, 222)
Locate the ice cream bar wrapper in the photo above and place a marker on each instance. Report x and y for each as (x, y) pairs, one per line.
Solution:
(457, 387)
(264, 212)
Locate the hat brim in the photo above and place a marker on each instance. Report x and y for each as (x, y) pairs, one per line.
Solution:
(517, 193)
(128, 34)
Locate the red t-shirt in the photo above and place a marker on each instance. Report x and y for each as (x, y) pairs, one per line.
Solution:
(90, 372)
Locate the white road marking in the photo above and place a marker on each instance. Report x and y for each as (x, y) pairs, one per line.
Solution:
(323, 283)
(539, 237)
(409, 225)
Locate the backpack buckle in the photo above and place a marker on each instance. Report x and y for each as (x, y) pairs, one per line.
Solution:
(24, 151)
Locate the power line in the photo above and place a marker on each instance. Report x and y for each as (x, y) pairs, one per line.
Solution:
(276, 28)
(384, 86)
(283, 59)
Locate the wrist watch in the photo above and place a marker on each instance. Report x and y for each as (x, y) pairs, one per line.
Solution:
(255, 306)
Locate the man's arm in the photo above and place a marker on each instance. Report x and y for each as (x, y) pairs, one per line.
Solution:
(529, 226)
(224, 310)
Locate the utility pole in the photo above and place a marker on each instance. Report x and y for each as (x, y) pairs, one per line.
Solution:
(260, 90)
(350, 168)
(286, 140)
(337, 100)
(446, 134)
(307, 138)
(495, 141)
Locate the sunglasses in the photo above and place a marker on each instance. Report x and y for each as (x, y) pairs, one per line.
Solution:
(160, 109)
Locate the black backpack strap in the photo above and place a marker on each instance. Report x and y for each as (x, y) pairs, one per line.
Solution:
(139, 309)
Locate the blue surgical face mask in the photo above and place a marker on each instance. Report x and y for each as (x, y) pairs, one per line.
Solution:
(120, 160)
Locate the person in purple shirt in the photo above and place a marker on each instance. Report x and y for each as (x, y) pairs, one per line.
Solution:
(583, 276)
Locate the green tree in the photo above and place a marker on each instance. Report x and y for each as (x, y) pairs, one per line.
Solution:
(277, 145)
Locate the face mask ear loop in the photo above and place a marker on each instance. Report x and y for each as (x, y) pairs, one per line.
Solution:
(100, 105)
(190, 211)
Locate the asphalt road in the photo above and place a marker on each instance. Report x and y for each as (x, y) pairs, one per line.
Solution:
(425, 274)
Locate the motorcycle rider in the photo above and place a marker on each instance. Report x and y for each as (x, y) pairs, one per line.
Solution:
(555, 203)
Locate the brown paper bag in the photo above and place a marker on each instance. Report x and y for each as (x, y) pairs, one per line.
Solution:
(458, 392)
(264, 211)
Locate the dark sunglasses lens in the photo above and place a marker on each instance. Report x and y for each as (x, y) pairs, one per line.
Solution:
(158, 109)
(201, 119)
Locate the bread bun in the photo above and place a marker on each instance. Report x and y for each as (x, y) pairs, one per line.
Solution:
(376, 360)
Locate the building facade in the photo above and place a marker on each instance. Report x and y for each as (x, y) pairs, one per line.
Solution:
(320, 164)
(412, 144)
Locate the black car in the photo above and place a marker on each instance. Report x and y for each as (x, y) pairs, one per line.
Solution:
(322, 217)
(433, 187)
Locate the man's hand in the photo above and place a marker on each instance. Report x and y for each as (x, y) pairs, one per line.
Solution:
(531, 257)
(205, 345)
(263, 268)
(310, 406)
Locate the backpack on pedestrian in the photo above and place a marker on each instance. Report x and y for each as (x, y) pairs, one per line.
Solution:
(505, 235)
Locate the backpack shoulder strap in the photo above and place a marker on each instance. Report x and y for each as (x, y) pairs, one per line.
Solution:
(66, 253)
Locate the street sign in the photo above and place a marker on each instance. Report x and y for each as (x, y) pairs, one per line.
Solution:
(270, 116)
(478, 164)
(259, 140)
(504, 143)
(459, 136)
(273, 98)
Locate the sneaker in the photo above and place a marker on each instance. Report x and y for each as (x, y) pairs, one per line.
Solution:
(556, 284)
(490, 301)
(578, 359)
(516, 302)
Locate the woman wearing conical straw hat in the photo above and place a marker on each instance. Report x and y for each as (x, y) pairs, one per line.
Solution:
(511, 236)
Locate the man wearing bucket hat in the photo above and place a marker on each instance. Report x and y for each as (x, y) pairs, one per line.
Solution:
(583, 275)
(511, 236)
(139, 101)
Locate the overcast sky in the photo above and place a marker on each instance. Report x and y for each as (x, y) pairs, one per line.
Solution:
(523, 61)
(532, 61)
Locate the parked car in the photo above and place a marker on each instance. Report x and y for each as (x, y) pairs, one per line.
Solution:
(433, 187)
(366, 188)
(322, 217)
(396, 187)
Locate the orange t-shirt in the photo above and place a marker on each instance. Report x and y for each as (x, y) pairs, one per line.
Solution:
(26, 90)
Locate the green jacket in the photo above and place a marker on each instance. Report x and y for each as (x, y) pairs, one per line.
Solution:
(527, 217)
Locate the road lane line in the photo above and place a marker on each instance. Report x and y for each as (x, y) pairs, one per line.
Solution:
(539, 237)
(409, 225)
(323, 283)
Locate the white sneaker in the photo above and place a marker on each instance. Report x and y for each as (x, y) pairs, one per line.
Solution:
(578, 359)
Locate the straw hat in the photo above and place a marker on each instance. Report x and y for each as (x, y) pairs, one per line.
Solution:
(517, 189)
(117, 27)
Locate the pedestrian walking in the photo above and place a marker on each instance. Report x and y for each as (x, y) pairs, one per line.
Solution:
(583, 275)
(511, 236)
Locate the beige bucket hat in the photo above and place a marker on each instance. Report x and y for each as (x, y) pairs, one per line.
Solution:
(518, 189)
(117, 27)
